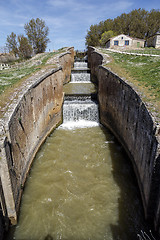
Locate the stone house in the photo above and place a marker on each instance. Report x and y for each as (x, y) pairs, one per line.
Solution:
(123, 41)
(154, 41)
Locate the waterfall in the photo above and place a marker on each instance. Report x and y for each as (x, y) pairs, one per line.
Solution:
(80, 73)
(80, 110)
(80, 77)
(80, 107)
(80, 65)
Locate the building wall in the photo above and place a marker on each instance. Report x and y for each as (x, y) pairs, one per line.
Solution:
(151, 42)
(132, 43)
(137, 43)
(157, 41)
(121, 41)
(154, 41)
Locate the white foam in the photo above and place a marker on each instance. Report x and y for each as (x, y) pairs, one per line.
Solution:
(70, 125)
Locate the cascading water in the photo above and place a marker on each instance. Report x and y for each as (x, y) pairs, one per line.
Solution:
(80, 77)
(80, 73)
(80, 110)
(80, 65)
(76, 108)
(81, 185)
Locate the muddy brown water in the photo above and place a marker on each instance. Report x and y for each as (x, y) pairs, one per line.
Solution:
(81, 187)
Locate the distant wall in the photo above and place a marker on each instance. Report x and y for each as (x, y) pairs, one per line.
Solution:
(154, 41)
(26, 126)
(126, 115)
(7, 57)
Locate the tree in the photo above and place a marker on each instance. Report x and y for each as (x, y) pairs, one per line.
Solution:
(106, 36)
(12, 43)
(153, 23)
(37, 33)
(138, 23)
(138, 20)
(25, 49)
(93, 36)
(122, 24)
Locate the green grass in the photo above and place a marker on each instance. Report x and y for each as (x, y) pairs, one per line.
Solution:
(143, 72)
(149, 50)
(12, 79)
(144, 69)
(145, 51)
(9, 77)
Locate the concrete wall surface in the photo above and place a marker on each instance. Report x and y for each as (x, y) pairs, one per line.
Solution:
(126, 115)
(24, 128)
(67, 62)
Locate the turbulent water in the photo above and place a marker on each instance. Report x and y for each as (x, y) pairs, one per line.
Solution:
(80, 65)
(81, 110)
(81, 187)
(80, 77)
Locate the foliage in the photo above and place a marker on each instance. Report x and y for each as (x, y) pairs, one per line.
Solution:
(153, 22)
(12, 43)
(106, 36)
(37, 33)
(138, 23)
(25, 49)
(93, 36)
(19, 45)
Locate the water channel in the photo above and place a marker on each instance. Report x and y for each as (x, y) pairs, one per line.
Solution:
(81, 185)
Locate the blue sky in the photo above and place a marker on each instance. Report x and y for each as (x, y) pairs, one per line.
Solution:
(68, 20)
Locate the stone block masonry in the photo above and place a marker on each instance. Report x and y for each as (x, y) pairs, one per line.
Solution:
(25, 127)
(126, 115)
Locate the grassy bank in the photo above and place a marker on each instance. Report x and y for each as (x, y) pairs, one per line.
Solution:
(19, 71)
(151, 51)
(11, 79)
(142, 71)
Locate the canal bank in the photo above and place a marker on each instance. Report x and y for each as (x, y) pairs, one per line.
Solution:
(25, 126)
(127, 116)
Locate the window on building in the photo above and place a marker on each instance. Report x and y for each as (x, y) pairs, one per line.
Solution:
(121, 37)
(127, 42)
(115, 43)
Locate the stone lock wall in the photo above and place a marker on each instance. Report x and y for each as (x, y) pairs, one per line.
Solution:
(26, 126)
(67, 63)
(126, 115)
(94, 61)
